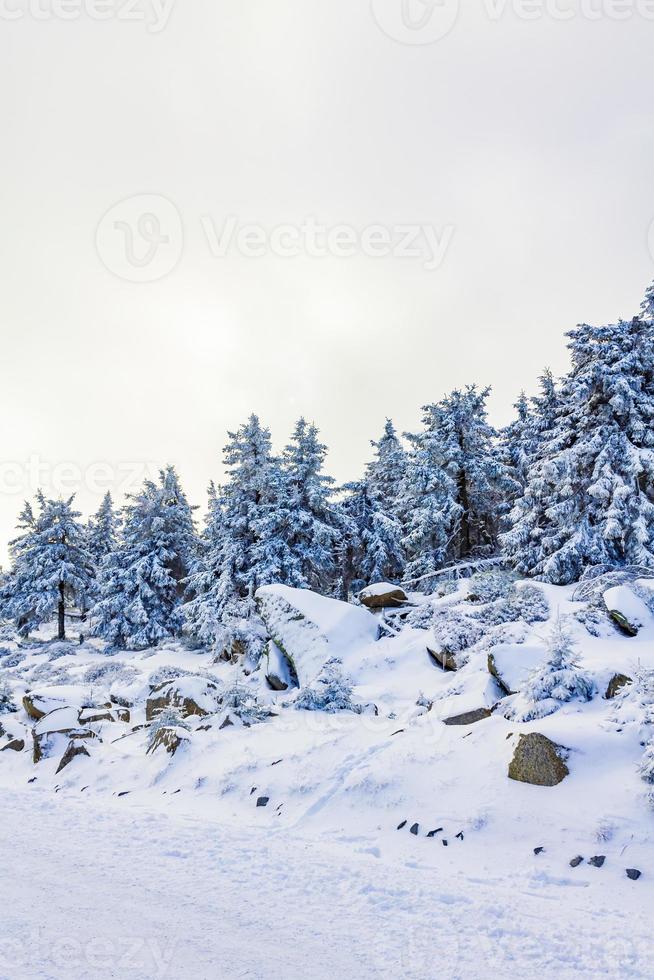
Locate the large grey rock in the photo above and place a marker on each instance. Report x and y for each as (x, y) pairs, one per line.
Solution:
(382, 595)
(538, 761)
(469, 717)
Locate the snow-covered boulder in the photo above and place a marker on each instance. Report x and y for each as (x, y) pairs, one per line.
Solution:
(168, 737)
(626, 609)
(468, 717)
(538, 761)
(512, 663)
(73, 750)
(382, 595)
(278, 670)
(615, 685)
(310, 629)
(188, 695)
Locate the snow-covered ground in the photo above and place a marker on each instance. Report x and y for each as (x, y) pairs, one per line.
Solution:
(297, 843)
(124, 889)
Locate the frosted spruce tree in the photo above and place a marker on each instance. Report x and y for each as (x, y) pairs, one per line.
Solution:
(52, 567)
(304, 492)
(456, 486)
(102, 530)
(589, 498)
(383, 554)
(647, 307)
(518, 441)
(141, 583)
(558, 680)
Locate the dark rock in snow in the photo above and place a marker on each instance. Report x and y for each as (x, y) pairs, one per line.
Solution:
(576, 861)
(538, 850)
(443, 659)
(597, 861)
(74, 749)
(617, 682)
(538, 761)
(432, 833)
(402, 825)
(414, 829)
(382, 596)
(623, 623)
(444, 843)
(469, 717)
(263, 801)
(16, 745)
(459, 836)
(633, 873)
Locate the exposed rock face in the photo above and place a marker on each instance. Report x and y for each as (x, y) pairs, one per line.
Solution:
(512, 663)
(74, 749)
(538, 761)
(617, 682)
(443, 659)
(168, 738)
(38, 707)
(469, 717)
(278, 670)
(15, 745)
(623, 623)
(383, 595)
(626, 609)
(189, 695)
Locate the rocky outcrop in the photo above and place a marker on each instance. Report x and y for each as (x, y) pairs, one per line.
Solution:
(168, 738)
(382, 595)
(15, 745)
(443, 658)
(512, 663)
(469, 717)
(538, 761)
(615, 685)
(279, 674)
(38, 707)
(626, 610)
(75, 748)
(190, 696)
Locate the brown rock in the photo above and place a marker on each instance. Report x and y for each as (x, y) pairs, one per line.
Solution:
(16, 745)
(166, 738)
(392, 598)
(74, 749)
(443, 659)
(538, 761)
(469, 717)
(168, 696)
(617, 682)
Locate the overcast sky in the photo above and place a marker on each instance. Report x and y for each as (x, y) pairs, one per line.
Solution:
(512, 158)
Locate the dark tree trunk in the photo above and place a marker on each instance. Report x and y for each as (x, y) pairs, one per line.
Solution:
(61, 633)
(466, 543)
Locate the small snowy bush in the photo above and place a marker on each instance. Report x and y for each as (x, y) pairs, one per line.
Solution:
(330, 692)
(6, 698)
(489, 586)
(109, 673)
(455, 629)
(244, 703)
(557, 681)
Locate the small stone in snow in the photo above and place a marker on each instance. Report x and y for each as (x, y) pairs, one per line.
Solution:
(432, 833)
(598, 860)
(538, 850)
(32, 780)
(402, 825)
(459, 836)
(444, 843)
(263, 801)
(576, 861)
(633, 873)
(253, 790)
(414, 830)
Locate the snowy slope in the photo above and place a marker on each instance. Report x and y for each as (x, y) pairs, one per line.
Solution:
(306, 790)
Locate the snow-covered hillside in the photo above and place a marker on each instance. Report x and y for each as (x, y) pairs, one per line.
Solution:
(374, 762)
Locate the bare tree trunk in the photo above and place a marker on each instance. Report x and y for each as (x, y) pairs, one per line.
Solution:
(61, 633)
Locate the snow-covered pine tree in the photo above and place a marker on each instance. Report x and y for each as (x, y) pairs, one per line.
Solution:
(558, 679)
(518, 441)
(590, 492)
(383, 555)
(456, 485)
(52, 567)
(102, 530)
(312, 519)
(647, 307)
(141, 583)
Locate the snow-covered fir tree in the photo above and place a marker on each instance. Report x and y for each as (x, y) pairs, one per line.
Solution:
(141, 583)
(313, 520)
(589, 497)
(456, 484)
(102, 530)
(558, 680)
(518, 441)
(52, 567)
(647, 307)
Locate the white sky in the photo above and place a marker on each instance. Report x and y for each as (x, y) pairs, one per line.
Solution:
(532, 139)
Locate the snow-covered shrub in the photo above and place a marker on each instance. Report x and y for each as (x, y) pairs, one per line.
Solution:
(111, 672)
(243, 702)
(330, 692)
(10, 658)
(167, 673)
(557, 681)
(489, 586)
(456, 629)
(6, 698)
